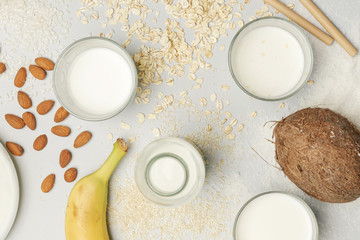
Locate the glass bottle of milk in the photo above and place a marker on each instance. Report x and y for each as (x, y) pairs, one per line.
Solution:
(170, 171)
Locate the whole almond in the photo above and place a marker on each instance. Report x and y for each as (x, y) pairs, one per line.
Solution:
(82, 139)
(60, 115)
(45, 63)
(15, 121)
(65, 158)
(61, 131)
(37, 72)
(24, 100)
(14, 148)
(45, 106)
(20, 77)
(2, 67)
(29, 120)
(70, 175)
(48, 183)
(40, 142)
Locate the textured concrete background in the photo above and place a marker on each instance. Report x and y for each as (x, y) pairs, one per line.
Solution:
(235, 171)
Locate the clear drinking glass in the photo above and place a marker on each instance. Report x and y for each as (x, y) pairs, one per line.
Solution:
(290, 27)
(315, 228)
(61, 74)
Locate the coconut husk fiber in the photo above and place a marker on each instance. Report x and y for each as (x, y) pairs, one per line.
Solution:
(319, 151)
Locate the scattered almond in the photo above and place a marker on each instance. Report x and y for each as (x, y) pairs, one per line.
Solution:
(37, 72)
(48, 183)
(40, 142)
(20, 77)
(24, 100)
(14, 148)
(2, 67)
(61, 131)
(45, 63)
(60, 115)
(45, 106)
(82, 139)
(65, 158)
(70, 175)
(14, 121)
(29, 120)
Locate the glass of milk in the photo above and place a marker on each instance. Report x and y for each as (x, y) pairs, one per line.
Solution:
(275, 216)
(170, 171)
(270, 58)
(95, 78)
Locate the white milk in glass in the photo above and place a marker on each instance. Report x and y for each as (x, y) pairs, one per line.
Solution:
(274, 216)
(167, 175)
(267, 61)
(100, 81)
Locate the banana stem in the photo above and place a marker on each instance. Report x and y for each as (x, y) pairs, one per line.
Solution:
(118, 152)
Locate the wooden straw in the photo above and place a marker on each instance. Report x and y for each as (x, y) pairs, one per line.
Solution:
(308, 26)
(330, 27)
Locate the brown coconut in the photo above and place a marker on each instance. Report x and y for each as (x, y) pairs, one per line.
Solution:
(319, 151)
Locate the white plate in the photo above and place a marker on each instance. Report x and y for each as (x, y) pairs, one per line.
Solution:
(10, 205)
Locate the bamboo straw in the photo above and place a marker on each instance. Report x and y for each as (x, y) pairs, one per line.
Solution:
(330, 27)
(300, 21)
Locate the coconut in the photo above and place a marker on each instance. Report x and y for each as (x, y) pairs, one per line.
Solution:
(319, 151)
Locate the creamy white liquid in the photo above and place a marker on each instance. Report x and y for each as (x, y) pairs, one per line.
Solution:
(6, 193)
(267, 61)
(100, 81)
(167, 174)
(274, 216)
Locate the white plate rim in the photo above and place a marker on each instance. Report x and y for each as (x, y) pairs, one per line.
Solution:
(15, 182)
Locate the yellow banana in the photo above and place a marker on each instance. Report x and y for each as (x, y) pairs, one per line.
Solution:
(86, 209)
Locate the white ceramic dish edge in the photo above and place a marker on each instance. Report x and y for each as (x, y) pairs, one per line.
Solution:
(4, 156)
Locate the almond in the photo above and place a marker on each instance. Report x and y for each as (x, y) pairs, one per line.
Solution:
(14, 121)
(37, 72)
(70, 175)
(40, 142)
(82, 139)
(61, 131)
(29, 120)
(45, 106)
(45, 63)
(65, 158)
(14, 148)
(60, 115)
(48, 183)
(2, 67)
(20, 77)
(24, 100)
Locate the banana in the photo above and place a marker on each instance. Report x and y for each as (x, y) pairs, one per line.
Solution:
(86, 209)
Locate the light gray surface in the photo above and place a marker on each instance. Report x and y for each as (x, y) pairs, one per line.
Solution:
(229, 184)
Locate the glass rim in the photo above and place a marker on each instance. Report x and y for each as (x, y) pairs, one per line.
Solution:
(149, 182)
(303, 203)
(129, 60)
(290, 94)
